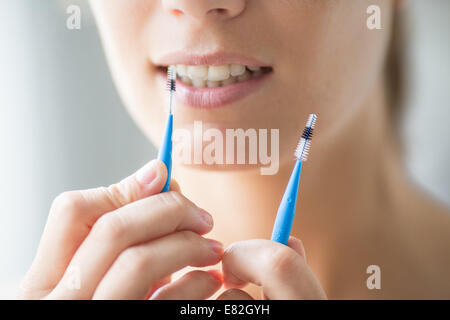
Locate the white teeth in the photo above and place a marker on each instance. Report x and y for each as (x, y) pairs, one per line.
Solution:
(237, 69)
(212, 84)
(202, 76)
(186, 80)
(247, 75)
(182, 70)
(198, 72)
(218, 73)
(254, 69)
(197, 83)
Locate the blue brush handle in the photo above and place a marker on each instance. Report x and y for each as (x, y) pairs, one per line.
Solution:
(286, 211)
(165, 151)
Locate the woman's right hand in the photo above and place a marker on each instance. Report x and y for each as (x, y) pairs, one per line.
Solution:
(124, 242)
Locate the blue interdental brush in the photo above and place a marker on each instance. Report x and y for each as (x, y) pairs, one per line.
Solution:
(165, 151)
(286, 210)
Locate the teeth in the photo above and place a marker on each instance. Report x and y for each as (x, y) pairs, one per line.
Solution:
(198, 72)
(212, 84)
(254, 69)
(237, 69)
(186, 80)
(202, 76)
(218, 73)
(182, 70)
(247, 75)
(198, 83)
(229, 81)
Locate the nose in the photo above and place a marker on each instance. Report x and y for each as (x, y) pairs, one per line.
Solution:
(201, 10)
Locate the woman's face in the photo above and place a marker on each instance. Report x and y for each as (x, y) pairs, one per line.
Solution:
(319, 57)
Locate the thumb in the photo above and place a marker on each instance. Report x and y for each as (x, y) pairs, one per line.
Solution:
(93, 203)
(297, 245)
(147, 181)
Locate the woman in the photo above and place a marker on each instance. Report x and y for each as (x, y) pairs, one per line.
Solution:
(262, 65)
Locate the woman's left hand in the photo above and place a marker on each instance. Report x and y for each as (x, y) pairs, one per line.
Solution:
(280, 270)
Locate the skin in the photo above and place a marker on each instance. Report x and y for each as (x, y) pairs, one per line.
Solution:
(357, 205)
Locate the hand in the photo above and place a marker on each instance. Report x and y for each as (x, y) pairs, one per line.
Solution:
(124, 242)
(280, 270)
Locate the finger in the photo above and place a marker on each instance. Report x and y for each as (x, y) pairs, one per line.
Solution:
(133, 224)
(195, 285)
(73, 214)
(279, 269)
(235, 294)
(174, 186)
(297, 245)
(293, 243)
(161, 283)
(139, 267)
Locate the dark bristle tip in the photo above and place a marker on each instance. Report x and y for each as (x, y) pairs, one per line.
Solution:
(171, 85)
(307, 133)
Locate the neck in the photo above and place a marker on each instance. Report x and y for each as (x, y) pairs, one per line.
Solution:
(339, 194)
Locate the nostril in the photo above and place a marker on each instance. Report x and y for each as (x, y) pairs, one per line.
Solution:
(219, 11)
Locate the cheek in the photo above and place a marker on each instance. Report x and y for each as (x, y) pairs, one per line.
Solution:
(125, 43)
(333, 59)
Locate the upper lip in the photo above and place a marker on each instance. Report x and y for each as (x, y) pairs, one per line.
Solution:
(212, 59)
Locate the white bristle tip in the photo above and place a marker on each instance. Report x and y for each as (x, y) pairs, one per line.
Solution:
(311, 120)
(304, 146)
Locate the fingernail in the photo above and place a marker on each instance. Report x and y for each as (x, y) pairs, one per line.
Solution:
(216, 246)
(206, 217)
(147, 174)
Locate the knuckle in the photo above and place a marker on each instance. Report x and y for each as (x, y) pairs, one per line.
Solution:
(173, 199)
(175, 204)
(119, 194)
(283, 261)
(134, 259)
(109, 227)
(67, 203)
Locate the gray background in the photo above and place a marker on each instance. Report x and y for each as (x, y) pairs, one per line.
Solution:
(62, 125)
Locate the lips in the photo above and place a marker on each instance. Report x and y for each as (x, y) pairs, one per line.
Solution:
(215, 80)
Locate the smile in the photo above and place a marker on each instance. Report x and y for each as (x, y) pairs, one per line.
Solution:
(217, 76)
(215, 80)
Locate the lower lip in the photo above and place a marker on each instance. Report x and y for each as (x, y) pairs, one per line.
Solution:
(211, 98)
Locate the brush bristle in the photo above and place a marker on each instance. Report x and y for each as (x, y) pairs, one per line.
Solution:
(171, 86)
(304, 145)
(171, 79)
